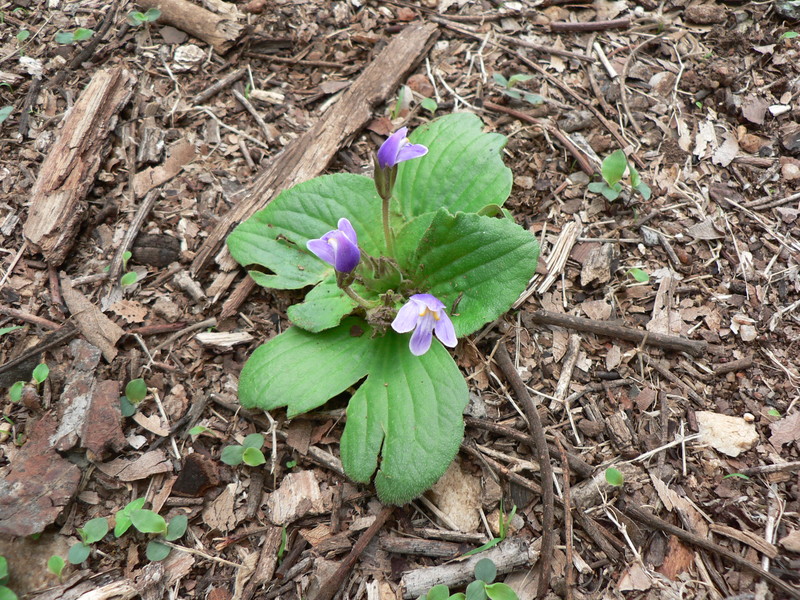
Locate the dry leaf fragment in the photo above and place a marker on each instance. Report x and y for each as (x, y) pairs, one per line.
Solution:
(705, 230)
(754, 109)
(729, 435)
(130, 310)
(94, 325)
(458, 495)
(298, 495)
(220, 514)
(150, 463)
(791, 542)
(786, 430)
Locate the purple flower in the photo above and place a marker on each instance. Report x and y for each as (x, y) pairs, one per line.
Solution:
(424, 314)
(397, 148)
(338, 247)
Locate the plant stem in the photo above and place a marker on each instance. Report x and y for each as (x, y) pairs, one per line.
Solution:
(387, 231)
(354, 295)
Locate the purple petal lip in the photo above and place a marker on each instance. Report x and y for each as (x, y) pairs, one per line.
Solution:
(397, 149)
(338, 248)
(424, 313)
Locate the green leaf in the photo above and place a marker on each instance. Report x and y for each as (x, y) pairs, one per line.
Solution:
(15, 391)
(789, 35)
(519, 78)
(486, 262)
(485, 570)
(500, 591)
(513, 94)
(7, 594)
(644, 190)
(534, 99)
(232, 455)
(438, 592)
(176, 528)
(254, 440)
(40, 373)
(302, 371)
(498, 77)
(490, 544)
(129, 278)
(3, 570)
(136, 18)
(198, 429)
(82, 34)
(462, 171)
(78, 553)
(611, 193)
(126, 407)
(408, 412)
(774, 412)
(56, 564)
(476, 590)
(157, 551)
(459, 596)
(146, 521)
(152, 14)
(614, 477)
(614, 166)
(275, 237)
(23, 35)
(136, 390)
(5, 330)
(64, 37)
(123, 516)
(430, 105)
(253, 457)
(94, 530)
(324, 307)
(737, 475)
(597, 187)
(5, 112)
(639, 275)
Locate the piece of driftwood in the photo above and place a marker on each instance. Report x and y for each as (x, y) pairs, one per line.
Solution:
(614, 330)
(67, 174)
(308, 155)
(507, 556)
(220, 30)
(404, 545)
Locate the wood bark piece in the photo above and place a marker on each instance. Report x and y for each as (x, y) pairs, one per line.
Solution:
(68, 172)
(93, 324)
(507, 556)
(308, 155)
(220, 30)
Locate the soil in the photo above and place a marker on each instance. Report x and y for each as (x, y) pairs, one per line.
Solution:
(704, 98)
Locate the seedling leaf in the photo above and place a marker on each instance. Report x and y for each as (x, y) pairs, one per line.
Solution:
(147, 521)
(485, 570)
(126, 407)
(518, 78)
(123, 517)
(430, 105)
(500, 591)
(55, 565)
(613, 167)
(639, 275)
(40, 373)
(81, 34)
(198, 429)
(500, 79)
(7, 594)
(15, 391)
(254, 440)
(176, 528)
(94, 530)
(476, 590)
(737, 475)
(78, 553)
(614, 477)
(157, 551)
(253, 457)
(5, 112)
(129, 278)
(232, 455)
(64, 37)
(438, 592)
(5, 330)
(3, 570)
(136, 390)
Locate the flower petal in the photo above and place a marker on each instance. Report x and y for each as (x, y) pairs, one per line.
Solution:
(345, 253)
(387, 153)
(322, 249)
(406, 318)
(346, 228)
(409, 151)
(428, 300)
(421, 338)
(445, 331)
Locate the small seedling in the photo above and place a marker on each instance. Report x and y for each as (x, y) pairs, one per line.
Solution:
(480, 589)
(22, 35)
(248, 453)
(129, 278)
(639, 275)
(5, 593)
(789, 35)
(123, 516)
(15, 391)
(612, 170)
(40, 373)
(5, 112)
(430, 105)
(774, 412)
(135, 392)
(284, 543)
(56, 564)
(515, 93)
(502, 531)
(738, 476)
(92, 532)
(5, 330)
(137, 18)
(71, 37)
(614, 477)
(198, 429)
(147, 521)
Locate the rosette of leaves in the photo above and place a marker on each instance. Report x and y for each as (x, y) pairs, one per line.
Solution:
(480, 589)
(404, 419)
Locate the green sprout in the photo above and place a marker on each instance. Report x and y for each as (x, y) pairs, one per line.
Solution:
(789, 35)
(430, 105)
(135, 392)
(612, 170)
(511, 91)
(502, 531)
(137, 18)
(480, 589)
(71, 37)
(56, 564)
(150, 522)
(22, 35)
(94, 531)
(774, 412)
(249, 452)
(5, 112)
(614, 477)
(738, 476)
(40, 373)
(402, 102)
(639, 275)
(5, 593)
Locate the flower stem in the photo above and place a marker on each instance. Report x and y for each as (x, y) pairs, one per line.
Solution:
(387, 231)
(354, 295)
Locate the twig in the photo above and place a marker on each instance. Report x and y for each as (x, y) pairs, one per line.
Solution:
(570, 573)
(613, 330)
(220, 85)
(561, 26)
(212, 322)
(539, 448)
(237, 297)
(671, 377)
(28, 318)
(649, 519)
(58, 337)
(201, 554)
(329, 588)
(741, 364)
(562, 387)
(130, 235)
(254, 113)
(763, 469)
(14, 262)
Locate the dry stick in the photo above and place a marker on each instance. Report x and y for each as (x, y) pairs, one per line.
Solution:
(328, 589)
(254, 113)
(741, 364)
(569, 577)
(646, 518)
(503, 470)
(583, 161)
(763, 469)
(672, 378)
(194, 327)
(612, 330)
(58, 337)
(295, 61)
(130, 235)
(561, 26)
(539, 448)
(28, 318)
(223, 83)
(237, 297)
